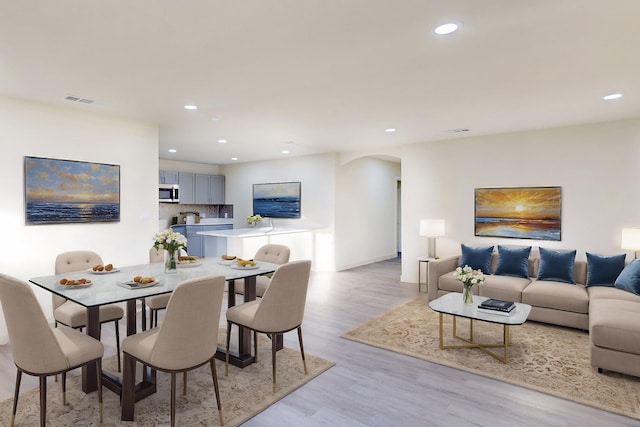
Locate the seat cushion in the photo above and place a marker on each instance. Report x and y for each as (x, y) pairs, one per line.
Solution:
(157, 302)
(243, 314)
(75, 316)
(557, 296)
(606, 292)
(262, 282)
(503, 287)
(78, 348)
(447, 282)
(615, 325)
(141, 344)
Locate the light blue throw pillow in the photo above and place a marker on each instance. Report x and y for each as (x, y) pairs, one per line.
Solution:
(513, 261)
(629, 279)
(477, 258)
(604, 270)
(556, 266)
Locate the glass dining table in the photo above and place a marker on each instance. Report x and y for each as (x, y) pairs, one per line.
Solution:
(114, 287)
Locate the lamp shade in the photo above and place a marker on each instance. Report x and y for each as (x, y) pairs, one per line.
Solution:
(631, 239)
(432, 227)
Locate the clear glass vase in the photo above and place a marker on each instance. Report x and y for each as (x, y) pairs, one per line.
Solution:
(170, 261)
(467, 296)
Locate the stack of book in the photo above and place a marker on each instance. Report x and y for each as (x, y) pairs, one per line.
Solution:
(496, 306)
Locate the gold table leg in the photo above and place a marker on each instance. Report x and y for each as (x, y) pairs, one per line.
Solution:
(471, 343)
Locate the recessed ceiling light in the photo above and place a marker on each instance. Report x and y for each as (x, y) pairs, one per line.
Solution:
(222, 141)
(390, 130)
(172, 150)
(190, 107)
(215, 119)
(285, 151)
(234, 158)
(612, 96)
(447, 28)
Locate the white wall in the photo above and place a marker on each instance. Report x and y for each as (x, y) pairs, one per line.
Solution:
(31, 129)
(366, 201)
(316, 175)
(597, 166)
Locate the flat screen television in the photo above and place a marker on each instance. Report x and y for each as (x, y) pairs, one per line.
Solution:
(277, 200)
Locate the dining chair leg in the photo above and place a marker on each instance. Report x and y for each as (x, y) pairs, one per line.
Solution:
(64, 388)
(173, 399)
(99, 379)
(118, 345)
(255, 346)
(273, 362)
(304, 361)
(143, 314)
(214, 374)
(43, 401)
(15, 397)
(226, 360)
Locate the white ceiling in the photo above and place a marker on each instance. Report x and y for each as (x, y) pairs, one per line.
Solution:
(315, 76)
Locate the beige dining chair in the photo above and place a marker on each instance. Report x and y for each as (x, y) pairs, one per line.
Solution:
(280, 310)
(273, 253)
(40, 350)
(156, 302)
(74, 315)
(186, 339)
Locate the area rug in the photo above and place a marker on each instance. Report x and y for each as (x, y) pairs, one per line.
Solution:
(244, 393)
(545, 358)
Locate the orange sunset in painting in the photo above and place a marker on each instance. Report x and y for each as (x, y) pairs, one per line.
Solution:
(526, 213)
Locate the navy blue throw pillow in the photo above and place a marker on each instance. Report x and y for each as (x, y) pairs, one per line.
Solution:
(603, 270)
(629, 279)
(477, 258)
(556, 266)
(513, 261)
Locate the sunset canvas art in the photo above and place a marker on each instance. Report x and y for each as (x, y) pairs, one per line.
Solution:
(67, 191)
(519, 212)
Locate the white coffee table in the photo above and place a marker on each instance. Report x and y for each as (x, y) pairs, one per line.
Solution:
(453, 305)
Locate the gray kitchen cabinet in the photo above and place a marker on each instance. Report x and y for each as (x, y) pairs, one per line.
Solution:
(187, 188)
(168, 177)
(209, 189)
(196, 242)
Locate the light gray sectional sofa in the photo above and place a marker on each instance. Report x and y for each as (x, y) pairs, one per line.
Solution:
(611, 315)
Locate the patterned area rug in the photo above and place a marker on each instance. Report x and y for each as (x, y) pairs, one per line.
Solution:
(545, 358)
(244, 393)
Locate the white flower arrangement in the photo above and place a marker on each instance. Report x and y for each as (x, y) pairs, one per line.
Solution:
(469, 276)
(254, 219)
(169, 240)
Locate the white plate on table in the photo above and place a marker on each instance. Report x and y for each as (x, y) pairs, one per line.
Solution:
(187, 264)
(249, 267)
(130, 284)
(78, 286)
(226, 261)
(114, 270)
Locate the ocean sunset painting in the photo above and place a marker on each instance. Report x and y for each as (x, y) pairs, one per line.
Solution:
(519, 212)
(68, 191)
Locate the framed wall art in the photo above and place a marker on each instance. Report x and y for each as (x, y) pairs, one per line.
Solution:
(277, 200)
(518, 212)
(68, 191)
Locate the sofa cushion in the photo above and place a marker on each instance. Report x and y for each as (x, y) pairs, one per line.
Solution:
(556, 266)
(606, 292)
(477, 258)
(513, 261)
(447, 282)
(604, 270)
(556, 295)
(629, 279)
(615, 324)
(507, 288)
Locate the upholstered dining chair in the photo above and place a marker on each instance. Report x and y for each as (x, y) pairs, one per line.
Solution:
(74, 315)
(40, 350)
(280, 310)
(186, 339)
(156, 302)
(273, 253)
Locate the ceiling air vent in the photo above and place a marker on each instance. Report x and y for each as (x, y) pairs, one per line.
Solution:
(78, 99)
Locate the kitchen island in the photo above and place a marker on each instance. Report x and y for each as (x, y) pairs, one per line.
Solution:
(244, 242)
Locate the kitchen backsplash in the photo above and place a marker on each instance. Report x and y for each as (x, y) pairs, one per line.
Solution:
(170, 210)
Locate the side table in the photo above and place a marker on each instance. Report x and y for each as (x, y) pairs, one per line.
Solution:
(426, 261)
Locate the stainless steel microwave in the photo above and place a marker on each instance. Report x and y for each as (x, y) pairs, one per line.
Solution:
(169, 193)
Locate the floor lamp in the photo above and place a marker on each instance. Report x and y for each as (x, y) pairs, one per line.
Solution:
(431, 228)
(631, 240)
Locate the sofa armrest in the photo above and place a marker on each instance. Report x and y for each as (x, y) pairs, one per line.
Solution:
(437, 268)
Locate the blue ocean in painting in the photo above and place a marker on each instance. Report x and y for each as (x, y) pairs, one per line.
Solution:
(541, 229)
(277, 207)
(48, 213)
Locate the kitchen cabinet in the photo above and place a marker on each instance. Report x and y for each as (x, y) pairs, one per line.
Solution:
(196, 242)
(168, 177)
(187, 188)
(209, 189)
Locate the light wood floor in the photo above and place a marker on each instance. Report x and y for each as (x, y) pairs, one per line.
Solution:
(373, 387)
